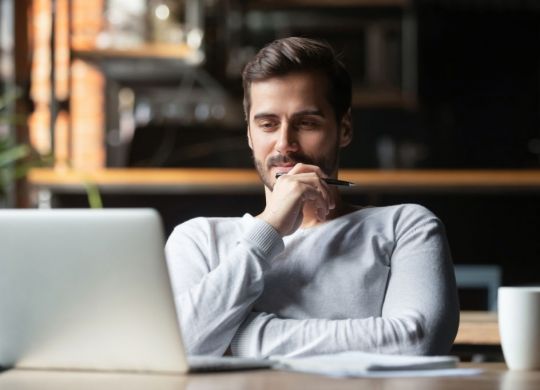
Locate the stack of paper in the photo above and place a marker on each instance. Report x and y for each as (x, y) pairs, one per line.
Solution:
(370, 364)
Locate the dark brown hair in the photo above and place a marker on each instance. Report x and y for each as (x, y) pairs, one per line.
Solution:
(293, 54)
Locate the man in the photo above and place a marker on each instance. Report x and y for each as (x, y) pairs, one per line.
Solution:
(310, 274)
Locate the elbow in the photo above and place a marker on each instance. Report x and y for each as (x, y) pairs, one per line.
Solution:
(414, 335)
(416, 340)
(434, 338)
(444, 332)
(200, 338)
(201, 344)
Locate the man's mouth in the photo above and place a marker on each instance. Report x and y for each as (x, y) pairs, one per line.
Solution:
(283, 168)
(285, 165)
(281, 164)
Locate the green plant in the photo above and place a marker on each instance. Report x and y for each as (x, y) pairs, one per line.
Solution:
(17, 159)
(15, 162)
(10, 170)
(11, 154)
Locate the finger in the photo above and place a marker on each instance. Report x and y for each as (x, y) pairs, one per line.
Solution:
(303, 182)
(314, 182)
(323, 188)
(320, 212)
(321, 215)
(312, 170)
(312, 195)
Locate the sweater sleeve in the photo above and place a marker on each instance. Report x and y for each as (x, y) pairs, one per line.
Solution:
(420, 312)
(213, 300)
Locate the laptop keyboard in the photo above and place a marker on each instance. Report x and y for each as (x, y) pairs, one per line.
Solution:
(225, 363)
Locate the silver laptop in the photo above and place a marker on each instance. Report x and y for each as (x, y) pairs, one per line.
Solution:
(89, 290)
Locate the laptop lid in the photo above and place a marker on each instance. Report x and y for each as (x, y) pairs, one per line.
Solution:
(86, 289)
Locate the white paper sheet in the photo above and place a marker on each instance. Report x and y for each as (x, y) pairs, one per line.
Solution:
(361, 364)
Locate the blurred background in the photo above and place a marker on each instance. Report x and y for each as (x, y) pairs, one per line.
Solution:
(93, 91)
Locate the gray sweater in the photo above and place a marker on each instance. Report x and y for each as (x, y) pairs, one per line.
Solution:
(377, 280)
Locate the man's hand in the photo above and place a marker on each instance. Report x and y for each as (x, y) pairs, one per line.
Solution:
(301, 186)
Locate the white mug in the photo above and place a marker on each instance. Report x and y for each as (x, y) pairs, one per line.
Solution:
(519, 326)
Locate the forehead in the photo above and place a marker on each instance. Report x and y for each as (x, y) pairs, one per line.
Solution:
(293, 91)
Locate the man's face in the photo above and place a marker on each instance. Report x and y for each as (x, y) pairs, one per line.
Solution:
(292, 121)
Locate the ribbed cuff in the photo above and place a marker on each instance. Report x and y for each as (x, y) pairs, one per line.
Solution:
(241, 343)
(264, 237)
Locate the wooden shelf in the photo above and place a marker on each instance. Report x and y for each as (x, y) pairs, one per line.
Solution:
(190, 180)
(366, 98)
(269, 4)
(154, 50)
(187, 180)
(444, 180)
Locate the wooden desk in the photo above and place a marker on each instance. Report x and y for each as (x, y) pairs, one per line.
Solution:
(478, 328)
(495, 376)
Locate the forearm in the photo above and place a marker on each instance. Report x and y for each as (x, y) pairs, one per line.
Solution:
(210, 312)
(211, 304)
(263, 335)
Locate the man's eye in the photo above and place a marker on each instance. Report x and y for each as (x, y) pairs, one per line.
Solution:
(267, 125)
(308, 124)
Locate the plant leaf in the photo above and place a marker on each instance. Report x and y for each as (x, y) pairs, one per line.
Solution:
(93, 195)
(9, 96)
(13, 154)
(15, 119)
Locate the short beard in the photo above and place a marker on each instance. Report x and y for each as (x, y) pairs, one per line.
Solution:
(327, 164)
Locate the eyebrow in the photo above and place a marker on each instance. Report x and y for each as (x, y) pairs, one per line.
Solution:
(309, 112)
(263, 115)
(296, 114)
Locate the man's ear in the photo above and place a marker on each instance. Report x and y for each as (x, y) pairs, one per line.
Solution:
(345, 129)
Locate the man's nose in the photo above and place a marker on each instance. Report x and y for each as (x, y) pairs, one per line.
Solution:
(287, 140)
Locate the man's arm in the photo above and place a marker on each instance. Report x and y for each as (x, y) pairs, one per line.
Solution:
(214, 295)
(419, 315)
(212, 302)
(264, 335)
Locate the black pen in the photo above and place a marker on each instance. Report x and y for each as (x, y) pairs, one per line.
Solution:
(328, 180)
